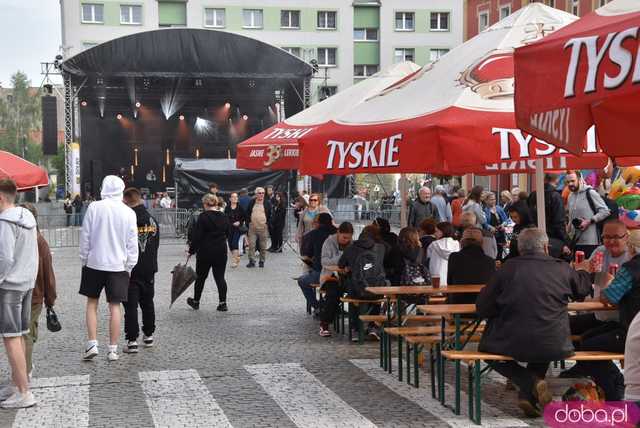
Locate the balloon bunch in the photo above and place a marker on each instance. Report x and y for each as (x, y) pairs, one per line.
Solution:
(625, 191)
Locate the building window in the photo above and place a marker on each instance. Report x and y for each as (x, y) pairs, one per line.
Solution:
(172, 14)
(550, 3)
(214, 18)
(403, 54)
(405, 21)
(293, 51)
(575, 7)
(88, 45)
(326, 20)
(93, 13)
(252, 18)
(436, 54)
(327, 91)
(365, 70)
(483, 20)
(505, 11)
(439, 21)
(365, 34)
(290, 19)
(130, 14)
(327, 57)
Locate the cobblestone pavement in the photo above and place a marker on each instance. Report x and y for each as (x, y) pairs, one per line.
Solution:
(260, 364)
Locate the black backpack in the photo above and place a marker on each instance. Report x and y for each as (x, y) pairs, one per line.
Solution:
(367, 271)
(613, 208)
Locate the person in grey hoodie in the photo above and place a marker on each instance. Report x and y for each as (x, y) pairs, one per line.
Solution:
(18, 272)
(586, 209)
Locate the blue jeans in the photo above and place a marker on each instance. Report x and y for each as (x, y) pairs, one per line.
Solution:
(305, 281)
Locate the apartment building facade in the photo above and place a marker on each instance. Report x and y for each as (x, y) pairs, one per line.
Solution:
(348, 39)
(481, 14)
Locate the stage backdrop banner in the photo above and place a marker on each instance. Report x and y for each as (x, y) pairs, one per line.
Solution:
(74, 153)
(193, 176)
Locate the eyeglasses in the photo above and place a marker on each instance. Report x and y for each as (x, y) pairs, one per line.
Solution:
(613, 237)
(313, 200)
(259, 193)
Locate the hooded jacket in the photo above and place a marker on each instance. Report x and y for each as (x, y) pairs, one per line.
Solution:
(210, 235)
(350, 254)
(109, 236)
(148, 242)
(438, 254)
(18, 249)
(525, 222)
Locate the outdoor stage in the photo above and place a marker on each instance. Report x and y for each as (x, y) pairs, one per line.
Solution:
(149, 98)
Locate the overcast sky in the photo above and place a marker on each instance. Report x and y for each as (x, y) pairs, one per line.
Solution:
(29, 34)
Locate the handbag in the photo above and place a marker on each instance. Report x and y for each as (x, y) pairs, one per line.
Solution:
(53, 324)
(243, 229)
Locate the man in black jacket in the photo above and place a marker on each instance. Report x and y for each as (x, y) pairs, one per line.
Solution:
(258, 220)
(554, 213)
(526, 306)
(141, 282)
(311, 250)
(469, 265)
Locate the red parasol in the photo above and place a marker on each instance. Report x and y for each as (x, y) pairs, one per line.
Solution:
(24, 173)
(584, 74)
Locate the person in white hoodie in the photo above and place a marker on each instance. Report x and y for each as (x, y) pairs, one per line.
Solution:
(18, 272)
(439, 251)
(109, 252)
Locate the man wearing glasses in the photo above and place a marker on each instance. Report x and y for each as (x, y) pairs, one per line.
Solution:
(591, 326)
(258, 217)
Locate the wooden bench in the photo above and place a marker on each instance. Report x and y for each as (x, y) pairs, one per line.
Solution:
(358, 303)
(473, 358)
(382, 319)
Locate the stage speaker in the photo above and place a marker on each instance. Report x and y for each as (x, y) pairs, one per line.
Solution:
(49, 125)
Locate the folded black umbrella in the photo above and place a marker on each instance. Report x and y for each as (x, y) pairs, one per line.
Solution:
(183, 277)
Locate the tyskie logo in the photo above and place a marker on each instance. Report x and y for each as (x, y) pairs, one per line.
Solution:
(384, 152)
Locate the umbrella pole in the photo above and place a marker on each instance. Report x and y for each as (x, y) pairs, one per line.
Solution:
(542, 221)
(403, 200)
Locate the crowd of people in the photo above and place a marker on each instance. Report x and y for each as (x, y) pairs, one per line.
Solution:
(531, 274)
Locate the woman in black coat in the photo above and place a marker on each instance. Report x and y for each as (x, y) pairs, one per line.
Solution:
(209, 244)
(237, 227)
(278, 219)
(519, 213)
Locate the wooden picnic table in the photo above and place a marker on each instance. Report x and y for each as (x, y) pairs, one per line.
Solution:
(398, 292)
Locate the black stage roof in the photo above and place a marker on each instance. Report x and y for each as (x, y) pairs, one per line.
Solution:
(187, 52)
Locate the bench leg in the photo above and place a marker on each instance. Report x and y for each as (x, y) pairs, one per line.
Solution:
(360, 326)
(382, 347)
(389, 356)
(416, 371)
(408, 362)
(476, 416)
(432, 372)
(457, 367)
(440, 375)
(400, 358)
(470, 390)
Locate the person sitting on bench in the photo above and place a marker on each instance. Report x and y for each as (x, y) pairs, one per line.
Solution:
(470, 265)
(331, 252)
(525, 303)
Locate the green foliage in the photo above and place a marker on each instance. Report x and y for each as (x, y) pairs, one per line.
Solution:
(20, 113)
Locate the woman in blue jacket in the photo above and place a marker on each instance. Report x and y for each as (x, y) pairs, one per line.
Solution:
(496, 217)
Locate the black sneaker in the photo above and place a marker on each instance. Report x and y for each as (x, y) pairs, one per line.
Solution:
(251, 264)
(261, 264)
(222, 307)
(372, 332)
(193, 303)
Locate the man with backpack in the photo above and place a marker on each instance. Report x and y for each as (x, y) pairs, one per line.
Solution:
(363, 261)
(587, 212)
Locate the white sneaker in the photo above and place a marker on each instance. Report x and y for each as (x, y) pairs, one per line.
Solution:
(19, 401)
(90, 352)
(131, 347)
(113, 356)
(148, 341)
(7, 391)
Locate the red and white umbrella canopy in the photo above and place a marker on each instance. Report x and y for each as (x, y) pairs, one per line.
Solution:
(453, 114)
(24, 173)
(276, 148)
(587, 73)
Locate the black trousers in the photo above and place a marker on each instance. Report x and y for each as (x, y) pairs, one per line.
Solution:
(276, 236)
(334, 290)
(141, 292)
(523, 377)
(610, 337)
(218, 266)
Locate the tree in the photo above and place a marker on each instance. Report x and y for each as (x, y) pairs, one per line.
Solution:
(20, 113)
